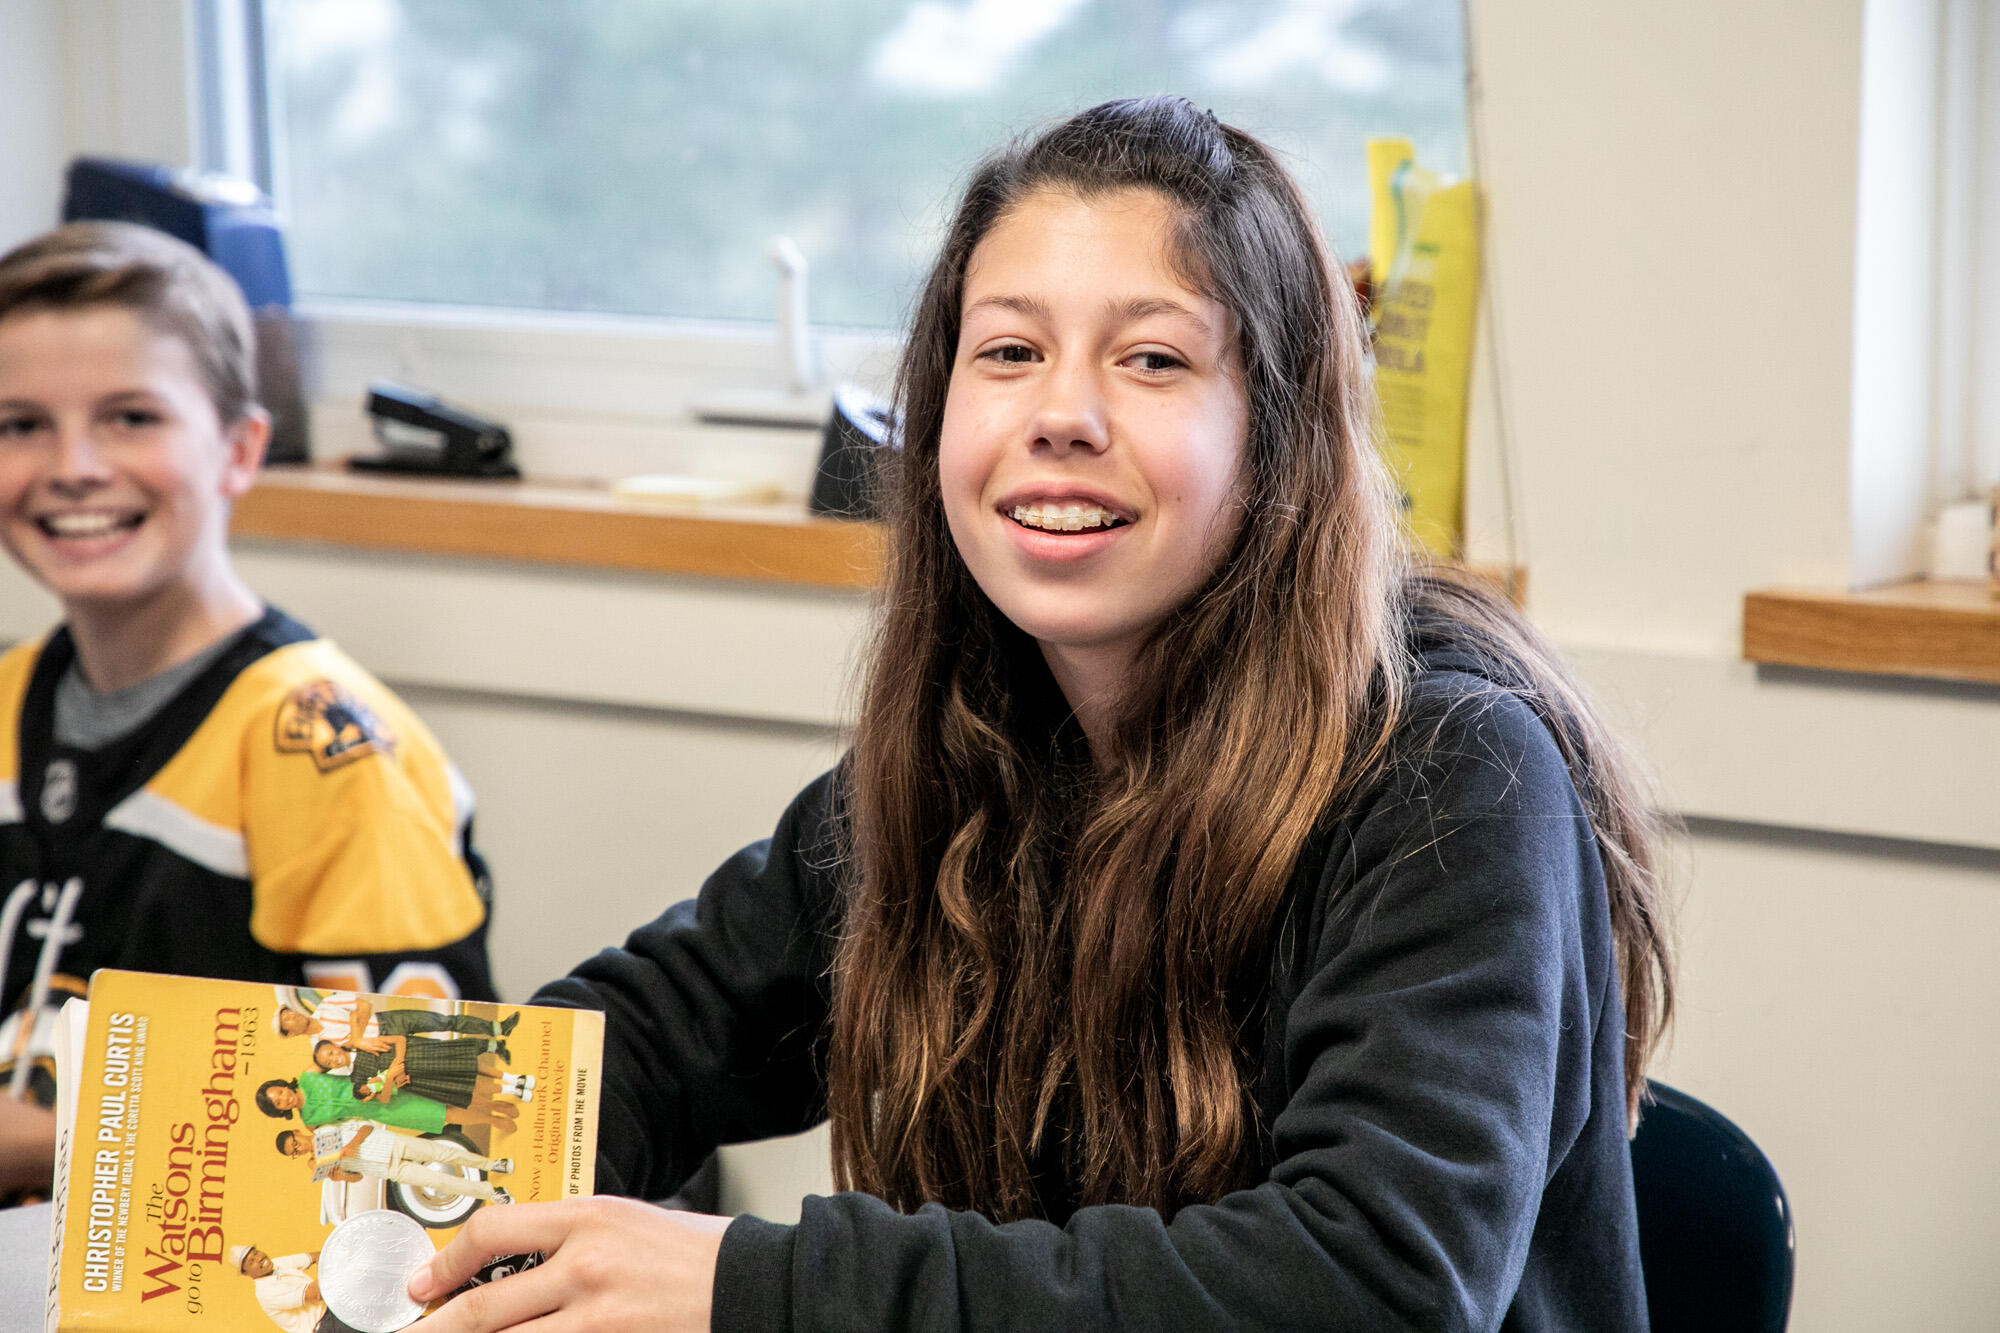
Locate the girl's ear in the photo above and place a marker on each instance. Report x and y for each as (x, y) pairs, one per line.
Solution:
(246, 441)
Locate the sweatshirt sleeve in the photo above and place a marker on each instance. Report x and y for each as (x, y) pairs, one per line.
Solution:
(1434, 1057)
(715, 1012)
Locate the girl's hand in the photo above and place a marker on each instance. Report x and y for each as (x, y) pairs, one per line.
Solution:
(612, 1264)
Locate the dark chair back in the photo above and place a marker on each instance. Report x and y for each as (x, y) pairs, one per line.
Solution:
(1715, 1230)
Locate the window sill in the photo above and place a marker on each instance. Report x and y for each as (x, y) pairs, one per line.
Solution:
(1937, 629)
(582, 524)
(577, 524)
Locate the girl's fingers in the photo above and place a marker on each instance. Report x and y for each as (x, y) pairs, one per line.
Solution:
(612, 1263)
(511, 1301)
(517, 1229)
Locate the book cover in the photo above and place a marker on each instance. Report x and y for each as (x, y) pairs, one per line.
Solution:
(214, 1132)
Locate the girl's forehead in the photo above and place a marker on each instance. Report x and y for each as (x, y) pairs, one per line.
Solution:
(1119, 247)
(1052, 223)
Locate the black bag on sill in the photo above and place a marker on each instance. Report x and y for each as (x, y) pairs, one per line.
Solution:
(854, 450)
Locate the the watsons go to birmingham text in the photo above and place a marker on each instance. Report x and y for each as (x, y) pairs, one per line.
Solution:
(185, 1203)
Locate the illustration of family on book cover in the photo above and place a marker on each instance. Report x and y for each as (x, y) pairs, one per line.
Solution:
(214, 1133)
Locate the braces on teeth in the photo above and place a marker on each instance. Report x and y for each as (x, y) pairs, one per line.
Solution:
(1064, 518)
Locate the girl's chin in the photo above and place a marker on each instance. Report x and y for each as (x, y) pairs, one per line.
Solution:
(1083, 641)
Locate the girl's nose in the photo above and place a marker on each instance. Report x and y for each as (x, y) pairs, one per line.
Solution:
(1071, 414)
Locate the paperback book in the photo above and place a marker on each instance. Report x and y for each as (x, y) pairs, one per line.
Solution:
(212, 1134)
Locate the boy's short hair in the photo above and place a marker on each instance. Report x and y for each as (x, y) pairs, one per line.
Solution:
(169, 284)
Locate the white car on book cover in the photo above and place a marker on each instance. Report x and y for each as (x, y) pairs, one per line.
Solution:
(342, 1199)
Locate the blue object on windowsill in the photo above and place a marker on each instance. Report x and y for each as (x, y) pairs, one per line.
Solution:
(229, 220)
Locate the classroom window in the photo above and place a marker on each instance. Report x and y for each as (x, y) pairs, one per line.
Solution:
(1966, 373)
(636, 157)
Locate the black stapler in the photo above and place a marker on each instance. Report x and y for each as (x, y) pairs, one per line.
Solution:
(420, 433)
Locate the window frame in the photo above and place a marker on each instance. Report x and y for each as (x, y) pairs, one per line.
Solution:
(565, 372)
(659, 368)
(1966, 447)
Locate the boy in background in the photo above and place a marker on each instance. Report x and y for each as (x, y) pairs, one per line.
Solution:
(190, 780)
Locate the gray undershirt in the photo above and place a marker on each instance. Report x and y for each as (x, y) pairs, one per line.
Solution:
(87, 720)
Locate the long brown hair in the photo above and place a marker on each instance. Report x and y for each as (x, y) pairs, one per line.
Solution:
(1051, 961)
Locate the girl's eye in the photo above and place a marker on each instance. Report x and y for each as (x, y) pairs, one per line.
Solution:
(1009, 354)
(17, 427)
(135, 418)
(1156, 362)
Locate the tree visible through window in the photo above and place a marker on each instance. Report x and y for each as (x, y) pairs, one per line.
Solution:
(636, 156)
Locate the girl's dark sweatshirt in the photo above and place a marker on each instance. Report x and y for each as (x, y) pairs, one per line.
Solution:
(1442, 1094)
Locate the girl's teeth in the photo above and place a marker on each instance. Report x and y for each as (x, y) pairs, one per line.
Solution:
(1063, 517)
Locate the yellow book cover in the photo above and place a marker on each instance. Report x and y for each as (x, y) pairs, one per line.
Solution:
(214, 1132)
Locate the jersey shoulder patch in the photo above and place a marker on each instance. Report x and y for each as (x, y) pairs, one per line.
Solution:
(324, 719)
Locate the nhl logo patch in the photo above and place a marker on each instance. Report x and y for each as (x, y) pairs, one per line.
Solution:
(59, 790)
(324, 720)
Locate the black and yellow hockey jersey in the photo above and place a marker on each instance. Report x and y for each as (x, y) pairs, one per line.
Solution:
(284, 818)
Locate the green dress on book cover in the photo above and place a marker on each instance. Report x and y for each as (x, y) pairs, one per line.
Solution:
(330, 1097)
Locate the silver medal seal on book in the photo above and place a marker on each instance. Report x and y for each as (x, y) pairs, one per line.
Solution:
(365, 1270)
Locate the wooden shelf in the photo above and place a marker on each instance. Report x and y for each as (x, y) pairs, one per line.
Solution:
(581, 524)
(1943, 629)
(577, 524)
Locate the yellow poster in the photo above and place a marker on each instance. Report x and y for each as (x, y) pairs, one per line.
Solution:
(1424, 266)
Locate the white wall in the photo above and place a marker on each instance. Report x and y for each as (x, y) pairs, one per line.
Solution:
(1671, 206)
(1675, 229)
(31, 117)
(1697, 392)
(86, 76)
(1838, 1002)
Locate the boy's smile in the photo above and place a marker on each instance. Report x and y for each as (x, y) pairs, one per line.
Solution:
(116, 474)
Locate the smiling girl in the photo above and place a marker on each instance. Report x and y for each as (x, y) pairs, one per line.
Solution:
(1219, 922)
